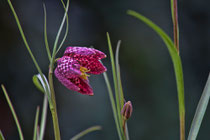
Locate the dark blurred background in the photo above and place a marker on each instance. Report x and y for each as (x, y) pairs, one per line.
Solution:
(146, 67)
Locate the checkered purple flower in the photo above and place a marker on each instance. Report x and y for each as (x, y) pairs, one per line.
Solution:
(72, 68)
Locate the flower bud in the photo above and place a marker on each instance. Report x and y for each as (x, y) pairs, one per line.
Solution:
(127, 110)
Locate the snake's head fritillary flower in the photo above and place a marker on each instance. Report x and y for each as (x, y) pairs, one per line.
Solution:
(88, 58)
(72, 68)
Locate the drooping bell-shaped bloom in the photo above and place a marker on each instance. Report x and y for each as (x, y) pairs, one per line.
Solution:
(88, 58)
(72, 68)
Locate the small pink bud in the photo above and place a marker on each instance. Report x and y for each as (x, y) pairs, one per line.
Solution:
(127, 110)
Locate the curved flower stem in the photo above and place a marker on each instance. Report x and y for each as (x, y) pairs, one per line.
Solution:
(13, 112)
(174, 13)
(53, 107)
(90, 129)
(175, 23)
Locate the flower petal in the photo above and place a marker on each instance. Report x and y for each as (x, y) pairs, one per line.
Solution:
(72, 68)
(94, 67)
(69, 74)
(84, 87)
(88, 58)
(66, 82)
(68, 67)
(76, 52)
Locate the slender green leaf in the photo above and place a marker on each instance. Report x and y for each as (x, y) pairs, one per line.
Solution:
(36, 123)
(174, 13)
(13, 112)
(44, 118)
(26, 43)
(200, 111)
(117, 98)
(67, 28)
(1, 136)
(23, 36)
(37, 83)
(127, 133)
(172, 9)
(114, 109)
(46, 88)
(120, 89)
(174, 55)
(58, 35)
(85, 132)
(45, 33)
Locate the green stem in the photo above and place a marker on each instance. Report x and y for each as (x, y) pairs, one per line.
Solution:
(45, 33)
(175, 24)
(120, 89)
(53, 109)
(13, 112)
(36, 124)
(117, 98)
(26, 43)
(111, 97)
(176, 62)
(44, 117)
(81, 134)
(200, 111)
(176, 44)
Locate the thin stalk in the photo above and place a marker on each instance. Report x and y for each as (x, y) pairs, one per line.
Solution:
(81, 134)
(45, 33)
(67, 28)
(23, 36)
(54, 108)
(43, 119)
(117, 98)
(57, 37)
(111, 97)
(13, 112)
(175, 24)
(200, 111)
(36, 123)
(177, 66)
(176, 44)
(120, 89)
(1, 136)
(26, 44)
(127, 133)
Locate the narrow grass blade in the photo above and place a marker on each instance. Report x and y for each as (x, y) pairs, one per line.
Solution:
(200, 112)
(120, 89)
(45, 33)
(176, 62)
(117, 98)
(45, 104)
(44, 118)
(13, 112)
(174, 13)
(37, 83)
(36, 123)
(173, 53)
(23, 36)
(25, 41)
(58, 34)
(67, 28)
(127, 133)
(1, 136)
(45, 86)
(85, 132)
(172, 9)
(114, 109)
